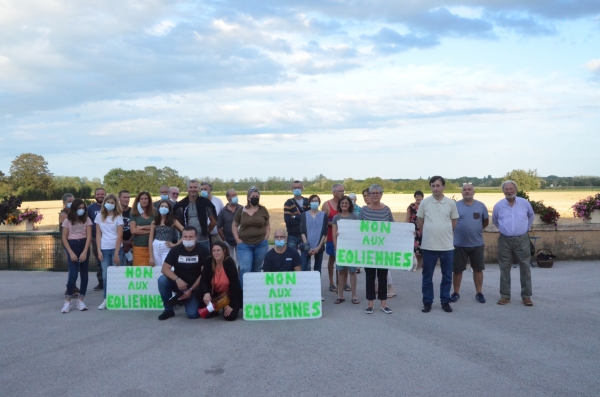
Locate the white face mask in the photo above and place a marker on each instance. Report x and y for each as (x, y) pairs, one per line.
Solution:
(140, 209)
(188, 243)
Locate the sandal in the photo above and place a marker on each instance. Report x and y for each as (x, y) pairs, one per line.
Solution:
(357, 270)
(347, 288)
(355, 301)
(332, 288)
(339, 300)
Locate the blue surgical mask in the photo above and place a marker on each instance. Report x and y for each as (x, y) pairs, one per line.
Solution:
(164, 196)
(109, 206)
(234, 200)
(279, 243)
(139, 208)
(314, 205)
(80, 212)
(204, 193)
(297, 192)
(69, 204)
(163, 210)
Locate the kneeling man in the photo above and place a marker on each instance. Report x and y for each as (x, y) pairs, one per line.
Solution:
(187, 260)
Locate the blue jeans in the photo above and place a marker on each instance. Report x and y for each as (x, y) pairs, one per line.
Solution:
(205, 244)
(293, 241)
(429, 260)
(77, 267)
(108, 259)
(306, 260)
(166, 287)
(251, 258)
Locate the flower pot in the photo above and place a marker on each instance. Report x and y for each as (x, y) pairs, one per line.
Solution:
(21, 227)
(594, 217)
(537, 220)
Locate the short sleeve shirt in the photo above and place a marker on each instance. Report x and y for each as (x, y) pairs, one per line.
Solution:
(252, 228)
(469, 226)
(188, 264)
(109, 228)
(437, 227)
(286, 262)
(351, 217)
(77, 231)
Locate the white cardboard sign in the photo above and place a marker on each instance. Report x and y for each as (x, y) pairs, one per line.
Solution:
(384, 245)
(282, 296)
(133, 288)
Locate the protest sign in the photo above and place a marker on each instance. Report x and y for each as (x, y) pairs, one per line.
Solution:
(388, 245)
(133, 288)
(282, 296)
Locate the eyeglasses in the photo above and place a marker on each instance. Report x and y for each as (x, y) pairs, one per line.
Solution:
(279, 237)
(339, 191)
(375, 194)
(174, 194)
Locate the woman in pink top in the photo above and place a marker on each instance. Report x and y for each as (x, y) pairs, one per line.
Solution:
(76, 237)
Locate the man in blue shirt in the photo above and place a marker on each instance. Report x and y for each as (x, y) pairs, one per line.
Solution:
(513, 217)
(468, 241)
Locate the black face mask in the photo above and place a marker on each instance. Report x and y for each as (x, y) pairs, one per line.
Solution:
(254, 200)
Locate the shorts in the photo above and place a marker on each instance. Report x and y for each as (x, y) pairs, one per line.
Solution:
(330, 249)
(351, 269)
(474, 255)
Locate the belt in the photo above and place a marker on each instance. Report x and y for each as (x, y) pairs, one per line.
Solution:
(505, 236)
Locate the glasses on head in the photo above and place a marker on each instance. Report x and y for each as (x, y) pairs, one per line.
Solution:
(375, 194)
(467, 183)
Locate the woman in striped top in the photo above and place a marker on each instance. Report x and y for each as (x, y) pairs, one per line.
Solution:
(376, 211)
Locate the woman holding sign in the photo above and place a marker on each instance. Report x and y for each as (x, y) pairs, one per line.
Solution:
(346, 212)
(376, 211)
(220, 282)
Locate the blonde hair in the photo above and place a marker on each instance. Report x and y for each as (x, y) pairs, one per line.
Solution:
(116, 212)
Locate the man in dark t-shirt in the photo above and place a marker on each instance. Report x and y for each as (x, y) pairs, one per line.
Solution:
(282, 258)
(93, 210)
(187, 261)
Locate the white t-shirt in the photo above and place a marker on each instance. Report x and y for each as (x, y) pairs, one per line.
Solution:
(437, 226)
(218, 203)
(109, 228)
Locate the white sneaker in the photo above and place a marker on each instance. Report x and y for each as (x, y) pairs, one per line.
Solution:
(102, 305)
(81, 306)
(66, 307)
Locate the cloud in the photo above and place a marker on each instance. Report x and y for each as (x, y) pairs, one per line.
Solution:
(523, 25)
(390, 41)
(593, 65)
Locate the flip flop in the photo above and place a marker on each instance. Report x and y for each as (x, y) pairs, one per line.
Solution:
(338, 301)
(332, 288)
(347, 288)
(355, 301)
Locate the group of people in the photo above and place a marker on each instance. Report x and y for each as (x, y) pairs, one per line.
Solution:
(205, 247)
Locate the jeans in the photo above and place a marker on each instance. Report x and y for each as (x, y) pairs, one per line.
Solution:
(307, 258)
(166, 287)
(160, 252)
(381, 274)
(446, 261)
(519, 246)
(108, 260)
(203, 243)
(74, 267)
(251, 258)
(293, 241)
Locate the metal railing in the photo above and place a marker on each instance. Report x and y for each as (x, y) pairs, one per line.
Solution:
(34, 251)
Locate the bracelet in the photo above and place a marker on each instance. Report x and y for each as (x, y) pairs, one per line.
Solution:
(191, 289)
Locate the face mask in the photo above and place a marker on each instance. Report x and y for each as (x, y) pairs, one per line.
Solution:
(279, 243)
(164, 196)
(140, 209)
(234, 200)
(204, 194)
(80, 212)
(297, 192)
(254, 200)
(109, 206)
(314, 205)
(69, 205)
(163, 210)
(188, 243)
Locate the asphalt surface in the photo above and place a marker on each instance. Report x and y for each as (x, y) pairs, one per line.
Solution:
(550, 349)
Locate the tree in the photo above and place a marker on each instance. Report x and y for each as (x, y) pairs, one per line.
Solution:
(30, 171)
(526, 180)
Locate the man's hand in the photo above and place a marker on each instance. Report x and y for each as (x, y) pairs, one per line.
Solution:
(186, 295)
(182, 285)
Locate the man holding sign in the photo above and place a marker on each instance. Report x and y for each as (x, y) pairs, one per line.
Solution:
(187, 260)
(437, 217)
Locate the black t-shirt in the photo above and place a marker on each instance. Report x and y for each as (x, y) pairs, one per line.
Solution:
(188, 264)
(286, 262)
(126, 229)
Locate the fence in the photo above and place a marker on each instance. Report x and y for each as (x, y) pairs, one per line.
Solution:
(34, 251)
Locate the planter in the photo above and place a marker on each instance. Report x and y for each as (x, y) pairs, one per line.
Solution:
(594, 217)
(22, 227)
(537, 220)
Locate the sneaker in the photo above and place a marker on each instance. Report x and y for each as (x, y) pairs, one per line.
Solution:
(480, 298)
(504, 301)
(99, 287)
(369, 310)
(454, 297)
(81, 306)
(426, 307)
(386, 310)
(102, 305)
(166, 315)
(66, 307)
(527, 302)
(446, 307)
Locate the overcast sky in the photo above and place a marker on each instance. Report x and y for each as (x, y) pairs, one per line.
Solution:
(233, 89)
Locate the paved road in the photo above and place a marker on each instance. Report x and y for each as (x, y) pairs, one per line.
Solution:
(550, 349)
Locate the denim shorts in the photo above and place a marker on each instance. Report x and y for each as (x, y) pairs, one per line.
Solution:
(340, 268)
(330, 249)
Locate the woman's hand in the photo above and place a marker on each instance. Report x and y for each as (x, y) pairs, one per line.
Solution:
(238, 241)
(169, 244)
(100, 256)
(151, 263)
(83, 256)
(116, 259)
(227, 311)
(73, 257)
(206, 299)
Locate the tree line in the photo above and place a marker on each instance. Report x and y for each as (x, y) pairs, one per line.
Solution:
(30, 178)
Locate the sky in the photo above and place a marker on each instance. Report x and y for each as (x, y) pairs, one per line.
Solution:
(259, 88)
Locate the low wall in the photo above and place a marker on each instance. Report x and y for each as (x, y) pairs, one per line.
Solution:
(567, 242)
